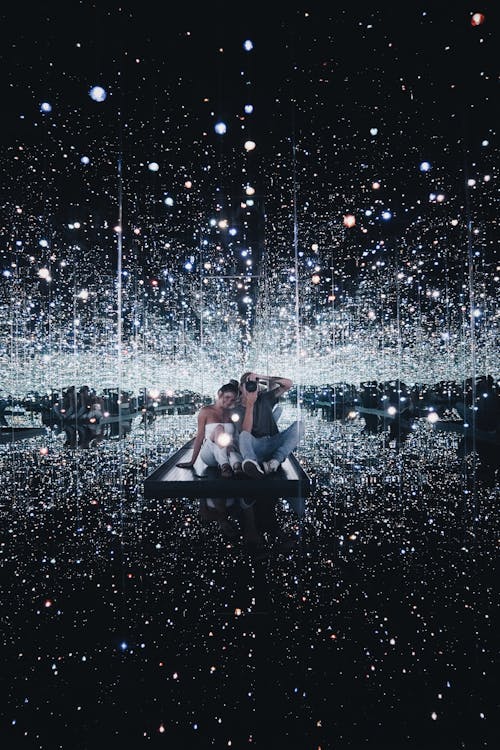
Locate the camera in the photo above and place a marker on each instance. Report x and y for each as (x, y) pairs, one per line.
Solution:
(251, 386)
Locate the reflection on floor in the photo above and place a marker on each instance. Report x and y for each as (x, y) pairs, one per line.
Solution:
(132, 622)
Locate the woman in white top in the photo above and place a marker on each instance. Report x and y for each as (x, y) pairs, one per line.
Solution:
(214, 441)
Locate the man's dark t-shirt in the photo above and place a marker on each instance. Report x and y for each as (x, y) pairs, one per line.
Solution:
(263, 420)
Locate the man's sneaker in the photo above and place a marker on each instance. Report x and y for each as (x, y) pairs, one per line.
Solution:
(271, 466)
(252, 469)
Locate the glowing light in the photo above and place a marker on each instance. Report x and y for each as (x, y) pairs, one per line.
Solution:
(235, 418)
(249, 145)
(224, 439)
(249, 190)
(376, 185)
(153, 166)
(154, 392)
(97, 93)
(248, 109)
(44, 450)
(349, 220)
(391, 410)
(84, 295)
(425, 166)
(315, 279)
(85, 160)
(373, 131)
(477, 19)
(44, 273)
(169, 201)
(45, 107)
(43, 243)
(248, 45)
(188, 184)
(386, 215)
(220, 128)
(433, 417)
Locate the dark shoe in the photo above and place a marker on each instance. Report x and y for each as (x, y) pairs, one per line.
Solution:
(238, 472)
(226, 472)
(252, 469)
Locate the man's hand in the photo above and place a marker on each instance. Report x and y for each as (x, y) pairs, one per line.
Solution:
(251, 397)
(185, 465)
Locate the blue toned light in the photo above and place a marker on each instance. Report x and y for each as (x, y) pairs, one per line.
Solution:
(233, 231)
(425, 166)
(45, 107)
(169, 201)
(97, 93)
(386, 215)
(220, 128)
(373, 131)
(368, 212)
(188, 265)
(153, 166)
(85, 160)
(248, 45)
(248, 109)
(43, 243)
(123, 646)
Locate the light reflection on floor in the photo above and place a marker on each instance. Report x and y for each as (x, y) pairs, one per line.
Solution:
(127, 619)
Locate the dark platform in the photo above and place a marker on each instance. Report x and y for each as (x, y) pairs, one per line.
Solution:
(169, 481)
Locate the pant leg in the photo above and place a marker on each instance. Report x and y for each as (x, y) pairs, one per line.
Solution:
(284, 443)
(247, 446)
(208, 453)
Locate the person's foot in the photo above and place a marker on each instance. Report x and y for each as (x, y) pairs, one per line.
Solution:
(226, 472)
(238, 471)
(252, 469)
(271, 466)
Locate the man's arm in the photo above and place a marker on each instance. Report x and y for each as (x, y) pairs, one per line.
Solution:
(247, 424)
(276, 384)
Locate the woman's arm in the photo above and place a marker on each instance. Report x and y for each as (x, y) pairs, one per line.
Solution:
(198, 441)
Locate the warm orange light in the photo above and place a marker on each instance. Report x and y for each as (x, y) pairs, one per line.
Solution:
(349, 220)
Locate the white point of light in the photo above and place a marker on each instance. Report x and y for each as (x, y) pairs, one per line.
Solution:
(249, 145)
(248, 109)
(45, 107)
(220, 128)
(97, 93)
(386, 215)
(85, 160)
(373, 131)
(425, 166)
(248, 45)
(153, 166)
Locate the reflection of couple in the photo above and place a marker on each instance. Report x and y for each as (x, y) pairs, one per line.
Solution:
(238, 432)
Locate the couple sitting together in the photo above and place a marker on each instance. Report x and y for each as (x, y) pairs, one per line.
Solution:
(239, 432)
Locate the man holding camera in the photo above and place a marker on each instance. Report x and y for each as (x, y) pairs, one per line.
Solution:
(262, 446)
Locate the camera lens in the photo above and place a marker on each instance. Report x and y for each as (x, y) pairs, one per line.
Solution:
(251, 385)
